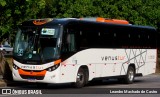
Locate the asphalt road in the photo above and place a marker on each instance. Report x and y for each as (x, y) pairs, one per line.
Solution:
(150, 84)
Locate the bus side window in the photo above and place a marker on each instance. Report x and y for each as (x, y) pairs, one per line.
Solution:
(69, 43)
(82, 41)
(152, 40)
(115, 39)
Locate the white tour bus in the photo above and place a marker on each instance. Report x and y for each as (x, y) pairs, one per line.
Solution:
(77, 51)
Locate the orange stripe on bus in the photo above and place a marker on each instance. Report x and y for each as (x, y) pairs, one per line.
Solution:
(32, 73)
(115, 21)
(39, 22)
(57, 62)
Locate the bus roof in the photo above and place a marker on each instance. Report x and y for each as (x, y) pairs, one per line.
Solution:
(64, 21)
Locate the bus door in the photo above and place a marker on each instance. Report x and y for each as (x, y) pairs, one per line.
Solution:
(67, 55)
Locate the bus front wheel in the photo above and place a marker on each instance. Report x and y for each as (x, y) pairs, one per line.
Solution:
(80, 78)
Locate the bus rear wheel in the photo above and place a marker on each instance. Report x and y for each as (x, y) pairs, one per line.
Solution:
(80, 78)
(129, 78)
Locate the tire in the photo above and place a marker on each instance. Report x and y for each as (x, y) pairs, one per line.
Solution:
(129, 78)
(80, 78)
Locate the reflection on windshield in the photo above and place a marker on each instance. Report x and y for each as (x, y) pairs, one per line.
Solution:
(33, 45)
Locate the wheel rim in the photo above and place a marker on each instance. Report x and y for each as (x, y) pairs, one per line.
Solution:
(131, 75)
(80, 77)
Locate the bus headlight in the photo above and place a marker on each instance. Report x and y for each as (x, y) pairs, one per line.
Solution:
(15, 67)
(52, 68)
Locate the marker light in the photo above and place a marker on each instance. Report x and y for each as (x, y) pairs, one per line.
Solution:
(52, 68)
(15, 67)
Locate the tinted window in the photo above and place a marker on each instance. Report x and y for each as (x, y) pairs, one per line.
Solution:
(6, 46)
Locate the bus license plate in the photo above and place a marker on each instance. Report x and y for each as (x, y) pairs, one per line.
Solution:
(31, 80)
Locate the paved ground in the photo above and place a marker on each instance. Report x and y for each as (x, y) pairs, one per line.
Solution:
(94, 89)
(150, 81)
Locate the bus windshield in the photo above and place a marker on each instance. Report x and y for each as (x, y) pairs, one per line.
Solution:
(36, 44)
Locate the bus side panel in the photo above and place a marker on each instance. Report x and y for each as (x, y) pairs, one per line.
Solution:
(98, 71)
(136, 57)
(150, 66)
(108, 62)
(101, 62)
(67, 72)
(70, 67)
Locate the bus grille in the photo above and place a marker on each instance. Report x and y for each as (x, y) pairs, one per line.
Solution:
(32, 77)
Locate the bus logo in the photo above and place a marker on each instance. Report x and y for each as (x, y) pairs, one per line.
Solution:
(109, 58)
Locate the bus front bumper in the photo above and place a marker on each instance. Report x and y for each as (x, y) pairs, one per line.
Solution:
(49, 77)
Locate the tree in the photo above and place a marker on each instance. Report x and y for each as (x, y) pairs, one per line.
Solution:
(139, 12)
(13, 12)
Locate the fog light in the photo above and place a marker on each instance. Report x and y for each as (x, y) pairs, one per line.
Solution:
(52, 68)
(15, 67)
(49, 69)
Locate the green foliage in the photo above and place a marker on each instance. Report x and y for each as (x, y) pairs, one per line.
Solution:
(139, 12)
(2, 2)
(13, 12)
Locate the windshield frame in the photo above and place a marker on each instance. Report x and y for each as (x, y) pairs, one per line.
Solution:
(41, 58)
